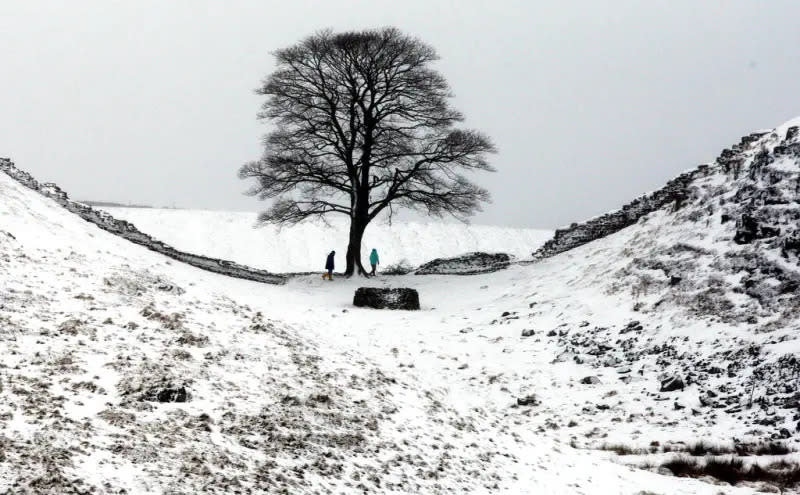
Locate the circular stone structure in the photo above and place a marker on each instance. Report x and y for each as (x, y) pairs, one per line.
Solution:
(386, 298)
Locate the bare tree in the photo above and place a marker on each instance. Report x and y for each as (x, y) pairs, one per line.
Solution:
(362, 124)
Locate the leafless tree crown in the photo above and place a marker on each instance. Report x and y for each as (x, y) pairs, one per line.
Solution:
(361, 124)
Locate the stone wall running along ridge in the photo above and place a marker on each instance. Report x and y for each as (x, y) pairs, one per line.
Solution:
(128, 231)
(673, 193)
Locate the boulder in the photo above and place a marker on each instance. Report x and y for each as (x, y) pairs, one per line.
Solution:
(590, 380)
(386, 298)
(527, 332)
(672, 383)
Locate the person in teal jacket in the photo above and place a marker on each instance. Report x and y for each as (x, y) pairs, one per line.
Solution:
(373, 260)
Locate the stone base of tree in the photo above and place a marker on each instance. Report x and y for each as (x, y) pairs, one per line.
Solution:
(381, 298)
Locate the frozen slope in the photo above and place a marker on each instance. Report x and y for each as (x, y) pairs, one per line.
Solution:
(234, 236)
(274, 389)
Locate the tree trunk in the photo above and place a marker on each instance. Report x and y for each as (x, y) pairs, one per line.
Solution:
(357, 227)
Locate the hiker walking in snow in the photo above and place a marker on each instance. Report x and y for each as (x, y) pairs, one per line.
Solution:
(329, 266)
(373, 260)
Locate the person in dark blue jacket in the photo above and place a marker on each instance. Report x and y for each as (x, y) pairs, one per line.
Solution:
(329, 266)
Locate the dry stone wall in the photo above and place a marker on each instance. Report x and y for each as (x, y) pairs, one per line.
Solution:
(674, 193)
(128, 231)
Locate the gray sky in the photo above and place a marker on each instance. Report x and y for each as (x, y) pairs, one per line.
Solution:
(590, 102)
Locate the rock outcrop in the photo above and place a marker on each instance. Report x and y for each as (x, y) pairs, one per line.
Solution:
(128, 231)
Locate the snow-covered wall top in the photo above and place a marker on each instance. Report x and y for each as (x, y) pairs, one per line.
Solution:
(673, 193)
(128, 231)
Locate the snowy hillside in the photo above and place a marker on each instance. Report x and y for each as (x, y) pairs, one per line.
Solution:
(126, 371)
(302, 248)
(590, 371)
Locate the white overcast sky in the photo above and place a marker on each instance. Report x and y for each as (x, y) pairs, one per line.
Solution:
(590, 102)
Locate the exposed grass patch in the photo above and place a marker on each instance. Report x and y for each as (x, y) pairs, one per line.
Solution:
(701, 449)
(622, 449)
(733, 470)
(772, 448)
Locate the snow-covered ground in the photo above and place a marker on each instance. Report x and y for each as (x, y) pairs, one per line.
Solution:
(290, 389)
(302, 248)
(124, 370)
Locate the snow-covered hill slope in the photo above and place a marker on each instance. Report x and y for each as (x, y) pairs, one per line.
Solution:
(128, 231)
(290, 389)
(302, 248)
(126, 372)
(705, 289)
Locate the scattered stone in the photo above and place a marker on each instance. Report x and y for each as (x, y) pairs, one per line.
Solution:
(71, 326)
(170, 287)
(528, 400)
(320, 398)
(633, 326)
(178, 394)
